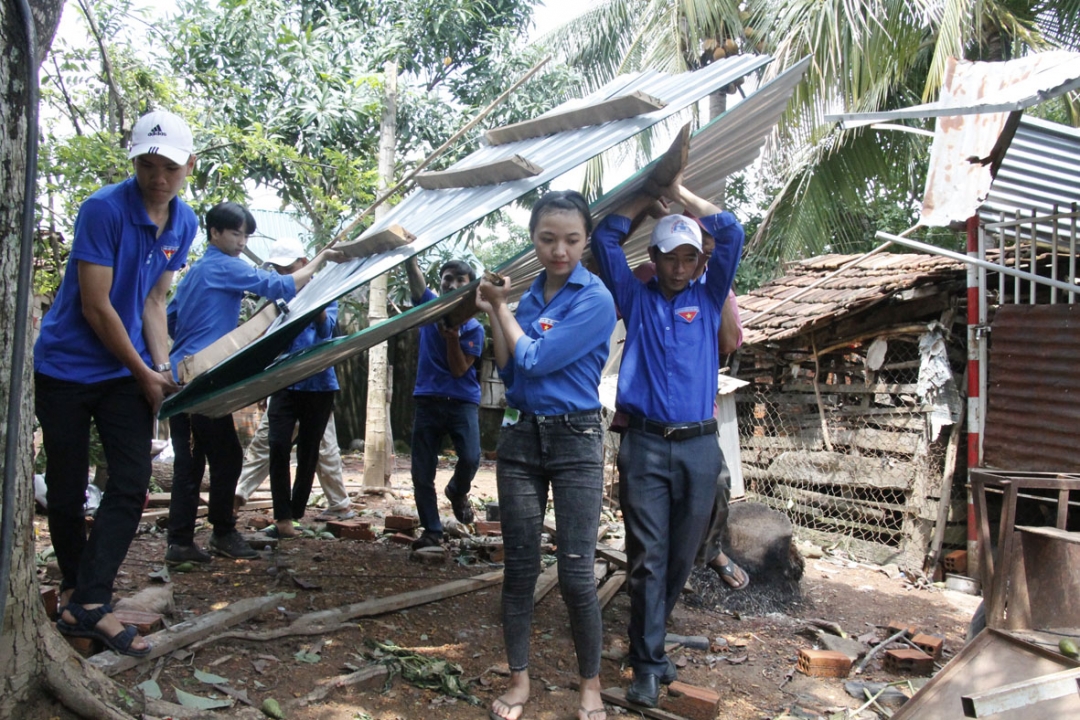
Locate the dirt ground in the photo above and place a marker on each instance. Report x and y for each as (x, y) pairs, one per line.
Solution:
(751, 662)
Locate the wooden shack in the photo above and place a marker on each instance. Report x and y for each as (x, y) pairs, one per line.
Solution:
(836, 429)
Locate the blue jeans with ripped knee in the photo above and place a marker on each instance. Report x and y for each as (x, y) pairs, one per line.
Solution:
(562, 453)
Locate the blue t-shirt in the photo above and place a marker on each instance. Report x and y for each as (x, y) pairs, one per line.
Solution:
(207, 301)
(433, 376)
(670, 358)
(112, 229)
(313, 334)
(556, 364)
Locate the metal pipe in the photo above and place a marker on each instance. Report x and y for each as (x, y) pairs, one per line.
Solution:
(993, 267)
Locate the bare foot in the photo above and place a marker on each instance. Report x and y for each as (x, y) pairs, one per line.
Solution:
(285, 529)
(590, 704)
(511, 704)
(109, 626)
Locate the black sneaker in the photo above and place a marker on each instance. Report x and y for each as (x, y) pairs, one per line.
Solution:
(232, 545)
(180, 554)
(462, 509)
(427, 539)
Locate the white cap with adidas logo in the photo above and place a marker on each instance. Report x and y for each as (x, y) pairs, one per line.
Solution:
(161, 133)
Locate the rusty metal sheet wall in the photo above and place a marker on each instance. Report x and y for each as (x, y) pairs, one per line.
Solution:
(1033, 398)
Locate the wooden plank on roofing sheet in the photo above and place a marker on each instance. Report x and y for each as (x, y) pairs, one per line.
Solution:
(393, 236)
(616, 108)
(492, 173)
(194, 365)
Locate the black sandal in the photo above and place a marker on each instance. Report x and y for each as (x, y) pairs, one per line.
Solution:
(86, 626)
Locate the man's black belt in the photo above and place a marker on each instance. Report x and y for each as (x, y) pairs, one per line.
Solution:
(677, 431)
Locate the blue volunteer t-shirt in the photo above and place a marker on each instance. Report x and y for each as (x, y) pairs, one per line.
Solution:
(207, 301)
(670, 357)
(433, 376)
(112, 229)
(556, 365)
(315, 333)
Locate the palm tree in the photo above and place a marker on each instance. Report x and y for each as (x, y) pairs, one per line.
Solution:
(831, 186)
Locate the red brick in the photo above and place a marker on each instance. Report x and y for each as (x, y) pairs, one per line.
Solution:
(488, 527)
(695, 703)
(824, 663)
(50, 600)
(929, 644)
(84, 646)
(351, 529)
(145, 622)
(909, 662)
(896, 626)
(956, 562)
(401, 539)
(400, 522)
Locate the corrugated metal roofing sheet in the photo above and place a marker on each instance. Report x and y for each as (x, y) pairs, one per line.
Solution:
(1033, 398)
(724, 146)
(432, 215)
(875, 280)
(1040, 174)
(1042, 76)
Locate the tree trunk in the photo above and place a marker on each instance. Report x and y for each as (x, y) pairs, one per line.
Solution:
(34, 660)
(378, 447)
(717, 107)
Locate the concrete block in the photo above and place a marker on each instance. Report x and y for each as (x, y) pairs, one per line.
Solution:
(690, 701)
(823, 663)
(909, 661)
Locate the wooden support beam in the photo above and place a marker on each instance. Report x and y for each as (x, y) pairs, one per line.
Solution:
(613, 585)
(617, 108)
(201, 510)
(188, 632)
(508, 169)
(388, 238)
(194, 365)
(546, 582)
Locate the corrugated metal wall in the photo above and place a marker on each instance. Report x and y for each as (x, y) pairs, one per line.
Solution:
(1033, 398)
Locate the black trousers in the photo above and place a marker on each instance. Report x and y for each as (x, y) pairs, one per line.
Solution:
(312, 411)
(199, 440)
(125, 425)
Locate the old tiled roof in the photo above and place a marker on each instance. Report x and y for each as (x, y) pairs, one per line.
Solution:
(876, 279)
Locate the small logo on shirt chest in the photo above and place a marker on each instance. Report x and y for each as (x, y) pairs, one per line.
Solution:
(169, 251)
(688, 313)
(547, 323)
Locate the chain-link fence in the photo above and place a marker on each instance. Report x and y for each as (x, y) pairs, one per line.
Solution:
(843, 444)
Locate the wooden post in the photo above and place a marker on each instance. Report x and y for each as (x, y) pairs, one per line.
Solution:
(375, 436)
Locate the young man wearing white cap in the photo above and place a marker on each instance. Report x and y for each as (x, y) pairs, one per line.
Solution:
(303, 409)
(669, 457)
(103, 357)
(206, 307)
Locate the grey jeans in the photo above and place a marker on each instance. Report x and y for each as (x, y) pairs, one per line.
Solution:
(563, 453)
